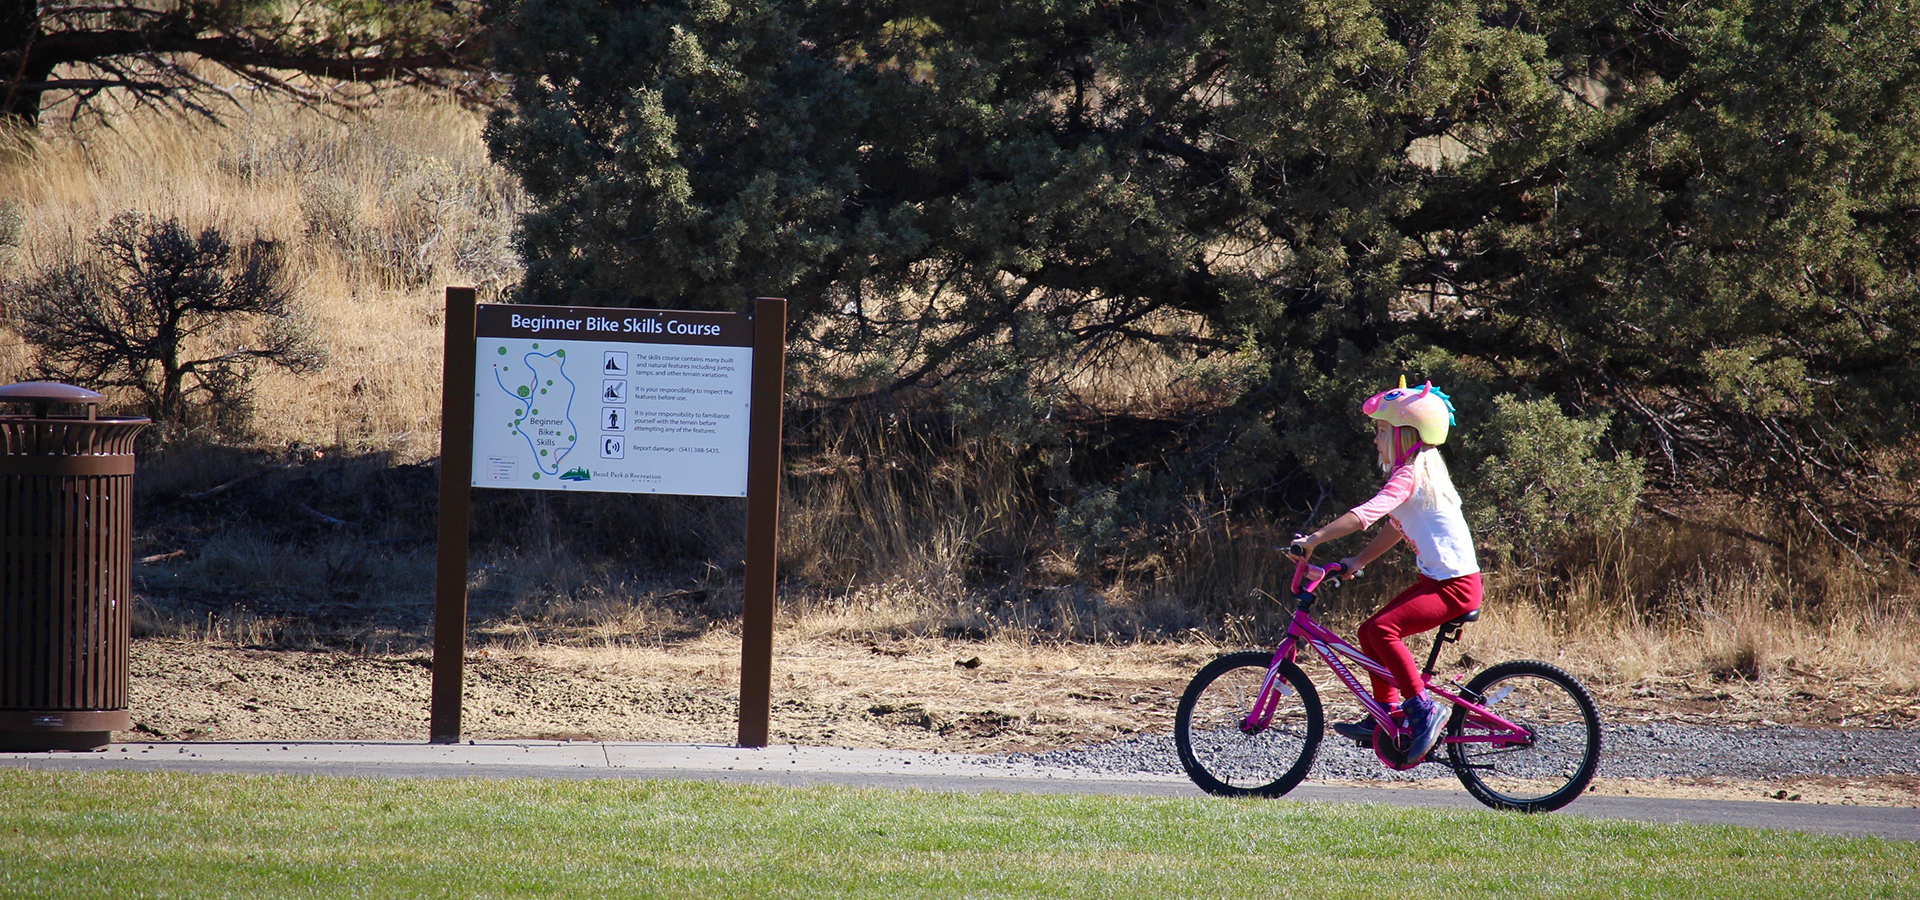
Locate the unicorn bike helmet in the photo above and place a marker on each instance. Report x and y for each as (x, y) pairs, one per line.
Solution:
(1427, 410)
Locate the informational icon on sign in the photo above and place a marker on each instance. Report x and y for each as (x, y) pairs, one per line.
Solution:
(613, 448)
(612, 391)
(613, 418)
(616, 364)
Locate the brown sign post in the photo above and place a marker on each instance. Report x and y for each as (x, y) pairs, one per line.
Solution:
(763, 520)
(611, 400)
(456, 518)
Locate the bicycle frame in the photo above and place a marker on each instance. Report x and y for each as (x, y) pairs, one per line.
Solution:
(1330, 647)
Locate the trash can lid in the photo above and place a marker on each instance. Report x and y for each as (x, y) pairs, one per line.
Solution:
(48, 392)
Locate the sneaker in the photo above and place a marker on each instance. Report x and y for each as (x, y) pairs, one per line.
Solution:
(1361, 731)
(1425, 721)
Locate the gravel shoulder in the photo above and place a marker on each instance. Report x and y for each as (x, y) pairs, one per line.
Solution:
(1092, 709)
(1808, 765)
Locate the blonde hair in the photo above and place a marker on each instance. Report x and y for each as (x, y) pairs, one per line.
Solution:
(1432, 483)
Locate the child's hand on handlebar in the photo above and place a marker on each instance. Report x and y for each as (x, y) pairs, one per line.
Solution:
(1299, 547)
(1349, 569)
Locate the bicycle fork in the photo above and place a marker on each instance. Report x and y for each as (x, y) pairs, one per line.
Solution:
(1271, 690)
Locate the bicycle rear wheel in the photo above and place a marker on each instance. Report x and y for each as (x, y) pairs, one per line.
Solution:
(1539, 774)
(1220, 754)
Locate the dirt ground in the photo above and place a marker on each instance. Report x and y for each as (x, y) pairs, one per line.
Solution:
(915, 694)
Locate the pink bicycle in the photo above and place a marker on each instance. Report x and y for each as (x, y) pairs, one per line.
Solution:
(1523, 735)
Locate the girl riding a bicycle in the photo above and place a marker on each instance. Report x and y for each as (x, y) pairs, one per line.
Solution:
(1521, 735)
(1423, 509)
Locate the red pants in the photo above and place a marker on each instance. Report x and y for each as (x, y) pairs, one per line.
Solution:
(1426, 605)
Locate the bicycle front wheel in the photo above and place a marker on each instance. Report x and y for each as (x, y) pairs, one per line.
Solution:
(1541, 770)
(1225, 755)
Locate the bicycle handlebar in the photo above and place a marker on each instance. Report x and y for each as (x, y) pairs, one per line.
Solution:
(1314, 574)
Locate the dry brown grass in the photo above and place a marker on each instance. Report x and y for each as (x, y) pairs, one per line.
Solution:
(376, 215)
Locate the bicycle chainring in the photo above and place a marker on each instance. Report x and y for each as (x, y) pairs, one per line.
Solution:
(1392, 753)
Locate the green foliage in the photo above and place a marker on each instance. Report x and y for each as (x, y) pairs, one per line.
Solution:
(1756, 378)
(1090, 527)
(1697, 219)
(179, 319)
(13, 221)
(1540, 481)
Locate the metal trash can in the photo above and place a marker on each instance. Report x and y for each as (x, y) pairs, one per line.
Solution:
(66, 557)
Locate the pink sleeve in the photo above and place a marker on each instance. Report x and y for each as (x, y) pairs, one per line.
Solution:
(1398, 488)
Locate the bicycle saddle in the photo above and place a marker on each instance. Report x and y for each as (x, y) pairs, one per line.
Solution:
(1464, 619)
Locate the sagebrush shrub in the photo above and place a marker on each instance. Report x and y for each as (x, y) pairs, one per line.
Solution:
(180, 320)
(1543, 480)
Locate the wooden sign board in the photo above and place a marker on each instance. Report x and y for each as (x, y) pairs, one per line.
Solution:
(612, 400)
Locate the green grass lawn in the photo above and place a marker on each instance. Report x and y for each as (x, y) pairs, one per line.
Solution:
(159, 835)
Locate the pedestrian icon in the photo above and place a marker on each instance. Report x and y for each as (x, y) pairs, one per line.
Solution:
(613, 391)
(615, 365)
(613, 448)
(613, 418)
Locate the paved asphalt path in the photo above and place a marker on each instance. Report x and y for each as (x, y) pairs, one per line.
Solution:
(800, 766)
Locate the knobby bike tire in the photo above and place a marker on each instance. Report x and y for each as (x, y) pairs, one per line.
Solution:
(1551, 771)
(1219, 755)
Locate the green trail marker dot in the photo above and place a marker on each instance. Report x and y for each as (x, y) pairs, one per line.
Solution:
(523, 391)
(543, 453)
(543, 390)
(503, 351)
(549, 382)
(536, 476)
(560, 353)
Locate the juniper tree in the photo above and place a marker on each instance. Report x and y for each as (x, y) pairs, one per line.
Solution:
(1702, 217)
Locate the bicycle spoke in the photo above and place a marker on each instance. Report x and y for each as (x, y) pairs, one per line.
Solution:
(1221, 754)
(1544, 773)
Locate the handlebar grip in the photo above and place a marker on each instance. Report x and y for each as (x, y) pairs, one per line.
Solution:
(1313, 575)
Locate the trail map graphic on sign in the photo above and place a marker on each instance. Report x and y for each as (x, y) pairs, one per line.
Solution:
(621, 400)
